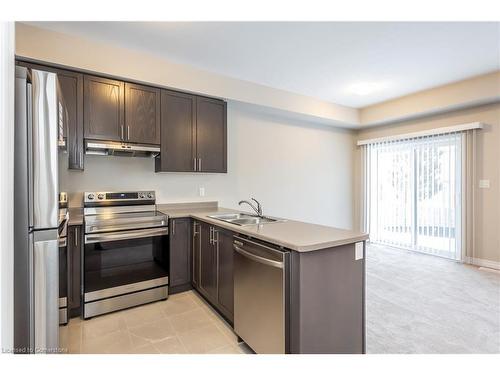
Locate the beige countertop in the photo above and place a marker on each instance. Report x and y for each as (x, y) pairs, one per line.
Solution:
(294, 235)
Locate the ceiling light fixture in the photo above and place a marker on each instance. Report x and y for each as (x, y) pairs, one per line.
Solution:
(366, 88)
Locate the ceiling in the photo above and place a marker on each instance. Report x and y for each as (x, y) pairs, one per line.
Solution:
(349, 63)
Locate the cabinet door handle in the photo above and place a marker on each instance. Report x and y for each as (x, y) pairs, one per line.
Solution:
(217, 267)
(194, 164)
(215, 236)
(128, 132)
(210, 236)
(69, 271)
(199, 164)
(76, 237)
(193, 255)
(199, 260)
(121, 127)
(173, 227)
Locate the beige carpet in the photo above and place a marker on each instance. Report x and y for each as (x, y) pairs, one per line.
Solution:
(419, 303)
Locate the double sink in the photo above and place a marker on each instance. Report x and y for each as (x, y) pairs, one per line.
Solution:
(244, 219)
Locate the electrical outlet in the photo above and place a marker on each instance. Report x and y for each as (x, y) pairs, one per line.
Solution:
(202, 192)
(484, 184)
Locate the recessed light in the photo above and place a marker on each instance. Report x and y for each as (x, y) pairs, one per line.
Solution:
(366, 88)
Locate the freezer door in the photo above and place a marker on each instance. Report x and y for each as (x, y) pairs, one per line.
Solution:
(43, 166)
(46, 291)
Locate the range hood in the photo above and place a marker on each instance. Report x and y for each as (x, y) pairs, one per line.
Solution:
(120, 149)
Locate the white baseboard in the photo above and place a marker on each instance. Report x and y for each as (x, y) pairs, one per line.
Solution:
(485, 269)
(483, 263)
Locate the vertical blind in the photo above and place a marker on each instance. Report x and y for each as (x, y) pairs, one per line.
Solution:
(414, 189)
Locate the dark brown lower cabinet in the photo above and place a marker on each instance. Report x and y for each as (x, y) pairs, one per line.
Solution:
(180, 255)
(74, 269)
(327, 301)
(213, 266)
(225, 287)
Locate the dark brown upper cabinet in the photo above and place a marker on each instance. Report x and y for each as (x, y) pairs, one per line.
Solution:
(191, 130)
(178, 133)
(211, 135)
(142, 114)
(104, 101)
(72, 90)
(71, 85)
(193, 134)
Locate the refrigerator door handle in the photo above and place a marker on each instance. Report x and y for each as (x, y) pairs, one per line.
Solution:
(29, 108)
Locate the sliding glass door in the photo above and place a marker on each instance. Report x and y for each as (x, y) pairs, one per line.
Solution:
(415, 194)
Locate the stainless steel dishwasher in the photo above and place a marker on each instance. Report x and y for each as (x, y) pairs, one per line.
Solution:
(261, 274)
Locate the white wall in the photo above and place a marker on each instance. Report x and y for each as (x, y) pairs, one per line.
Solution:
(297, 170)
(6, 184)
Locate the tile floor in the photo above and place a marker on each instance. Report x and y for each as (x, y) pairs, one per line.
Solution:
(182, 324)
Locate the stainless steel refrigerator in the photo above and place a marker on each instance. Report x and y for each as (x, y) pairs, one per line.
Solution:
(39, 120)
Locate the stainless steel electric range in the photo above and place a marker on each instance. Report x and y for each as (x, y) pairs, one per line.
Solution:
(126, 256)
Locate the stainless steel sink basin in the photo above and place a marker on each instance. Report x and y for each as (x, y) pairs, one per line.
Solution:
(244, 219)
(225, 217)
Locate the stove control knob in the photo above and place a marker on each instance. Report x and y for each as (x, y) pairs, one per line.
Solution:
(142, 196)
(90, 196)
(100, 196)
(150, 195)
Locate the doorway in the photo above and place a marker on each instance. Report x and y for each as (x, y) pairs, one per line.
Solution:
(415, 194)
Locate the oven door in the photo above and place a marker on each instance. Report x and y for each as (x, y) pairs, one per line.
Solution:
(117, 263)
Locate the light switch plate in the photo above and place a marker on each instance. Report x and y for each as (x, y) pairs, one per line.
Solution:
(358, 251)
(484, 184)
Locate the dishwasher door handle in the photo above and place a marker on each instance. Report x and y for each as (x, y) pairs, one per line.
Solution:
(256, 258)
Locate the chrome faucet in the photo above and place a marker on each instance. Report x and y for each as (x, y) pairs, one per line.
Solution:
(257, 209)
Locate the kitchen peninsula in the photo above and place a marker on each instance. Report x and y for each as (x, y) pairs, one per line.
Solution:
(324, 280)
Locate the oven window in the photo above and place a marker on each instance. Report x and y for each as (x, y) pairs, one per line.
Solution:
(116, 263)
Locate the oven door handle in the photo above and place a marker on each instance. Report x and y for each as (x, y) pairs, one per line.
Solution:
(125, 235)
